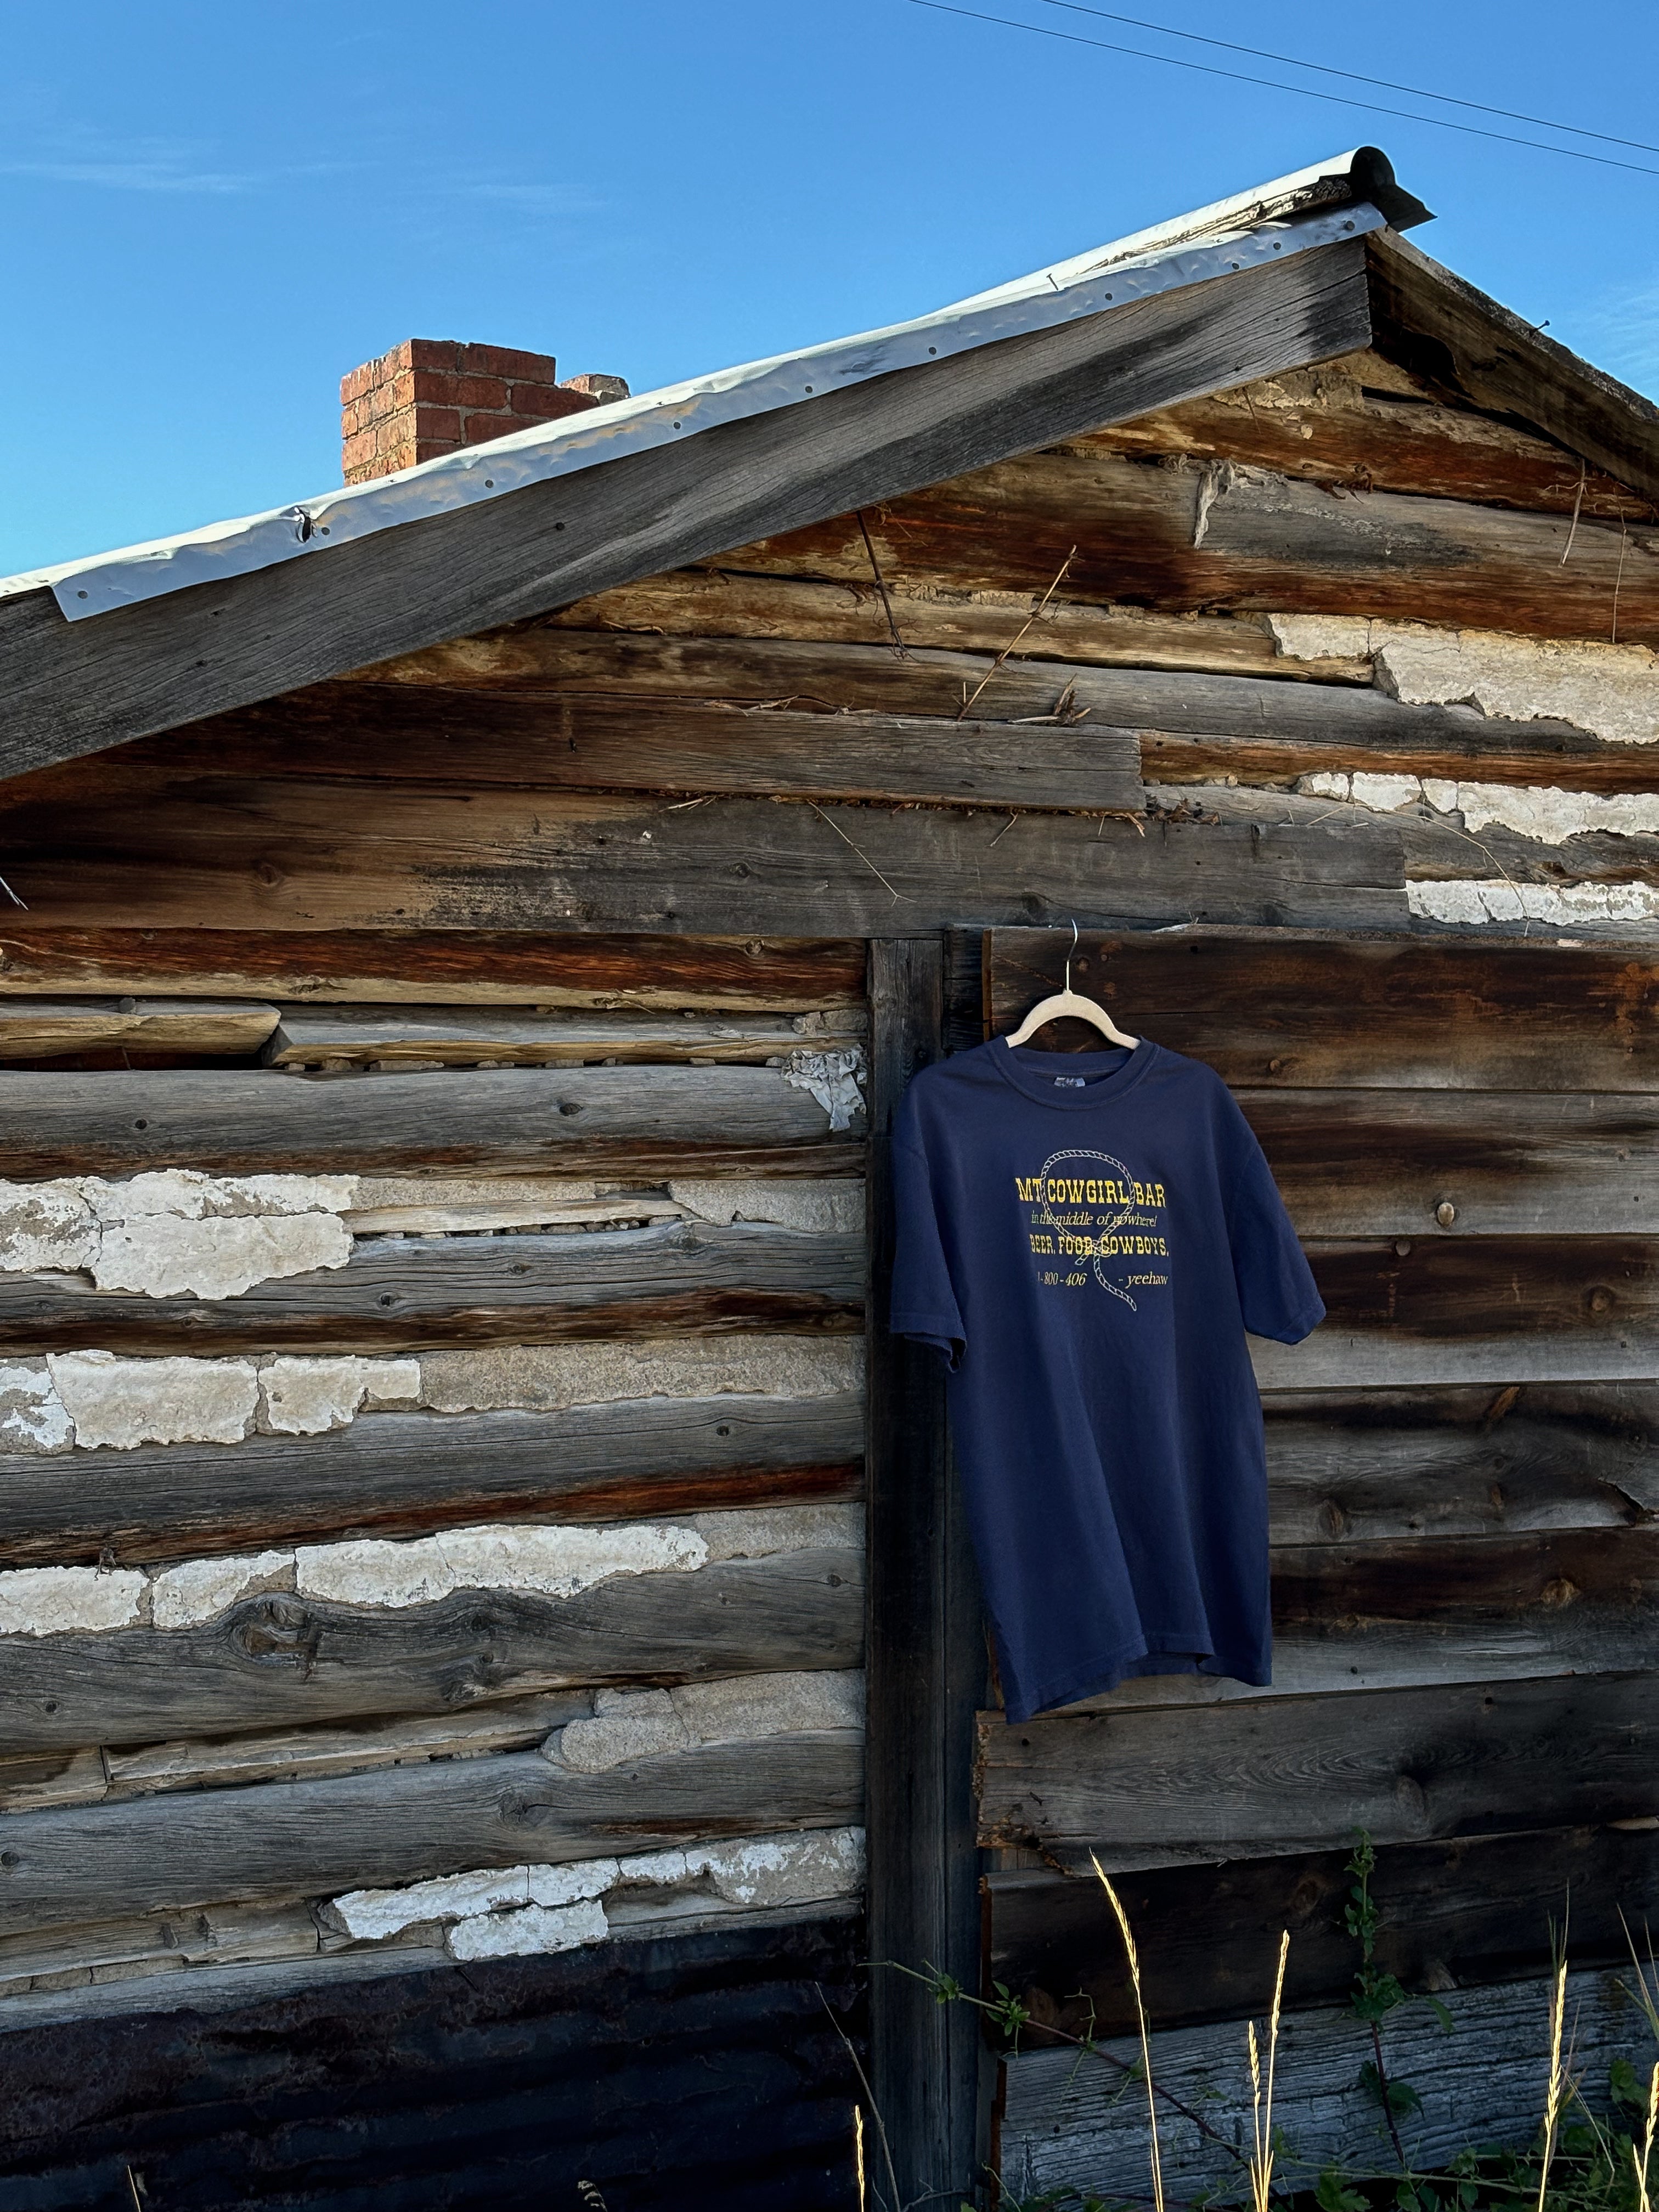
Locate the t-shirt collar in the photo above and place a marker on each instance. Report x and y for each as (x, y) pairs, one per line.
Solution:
(1042, 1076)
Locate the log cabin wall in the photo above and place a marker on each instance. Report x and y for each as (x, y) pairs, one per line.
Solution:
(437, 1540)
(1322, 705)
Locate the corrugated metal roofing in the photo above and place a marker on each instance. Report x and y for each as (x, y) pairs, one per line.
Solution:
(1347, 195)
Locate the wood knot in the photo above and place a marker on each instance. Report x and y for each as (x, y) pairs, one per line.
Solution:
(1409, 1797)
(519, 1809)
(275, 1631)
(1306, 1897)
(1504, 1403)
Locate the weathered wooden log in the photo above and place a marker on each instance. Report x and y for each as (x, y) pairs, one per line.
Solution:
(1368, 424)
(1425, 1611)
(462, 1036)
(312, 1838)
(272, 1970)
(165, 855)
(1505, 1309)
(1438, 851)
(304, 1754)
(405, 1473)
(1343, 1468)
(1502, 752)
(1482, 2084)
(36, 1029)
(280, 1661)
(40, 1780)
(1372, 1163)
(76, 687)
(459, 967)
(646, 1119)
(715, 602)
(1193, 727)
(116, 1951)
(1224, 535)
(1445, 1287)
(421, 1294)
(1280, 1008)
(687, 746)
(1150, 1785)
(218, 1945)
(511, 1202)
(1396, 1616)
(1567, 850)
(1347, 1466)
(1482, 1909)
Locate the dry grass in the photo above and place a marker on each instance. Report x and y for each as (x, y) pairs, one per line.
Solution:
(1153, 2146)
(1581, 2159)
(1261, 2116)
(1555, 2095)
(1644, 2161)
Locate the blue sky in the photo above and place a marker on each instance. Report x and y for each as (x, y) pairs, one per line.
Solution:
(208, 212)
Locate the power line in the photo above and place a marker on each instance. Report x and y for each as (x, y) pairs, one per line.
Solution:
(1354, 77)
(1272, 84)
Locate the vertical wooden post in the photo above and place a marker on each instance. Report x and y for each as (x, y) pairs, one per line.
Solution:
(927, 1668)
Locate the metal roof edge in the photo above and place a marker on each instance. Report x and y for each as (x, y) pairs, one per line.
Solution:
(1313, 208)
(1365, 174)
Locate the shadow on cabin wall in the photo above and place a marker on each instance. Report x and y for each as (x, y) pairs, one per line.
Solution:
(699, 2072)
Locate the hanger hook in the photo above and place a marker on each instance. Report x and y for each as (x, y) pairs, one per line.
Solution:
(1068, 957)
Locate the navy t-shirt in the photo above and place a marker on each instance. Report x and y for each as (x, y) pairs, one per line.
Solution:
(1088, 1236)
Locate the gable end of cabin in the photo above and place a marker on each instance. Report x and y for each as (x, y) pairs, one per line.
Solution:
(486, 1610)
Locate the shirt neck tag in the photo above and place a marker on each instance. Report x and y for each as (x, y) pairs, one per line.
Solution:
(1069, 1082)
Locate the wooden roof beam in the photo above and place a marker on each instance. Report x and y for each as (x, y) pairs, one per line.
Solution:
(1432, 321)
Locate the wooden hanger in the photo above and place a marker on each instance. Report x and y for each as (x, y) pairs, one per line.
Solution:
(1068, 1001)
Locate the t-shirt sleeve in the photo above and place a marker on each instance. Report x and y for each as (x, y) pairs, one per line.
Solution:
(1277, 1293)
(924, 1303)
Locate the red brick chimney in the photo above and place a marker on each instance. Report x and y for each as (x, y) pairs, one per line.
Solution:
(432, 396)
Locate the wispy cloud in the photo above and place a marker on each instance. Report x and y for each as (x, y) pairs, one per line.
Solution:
(144, 165)
(540, 199)
(127, 176)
